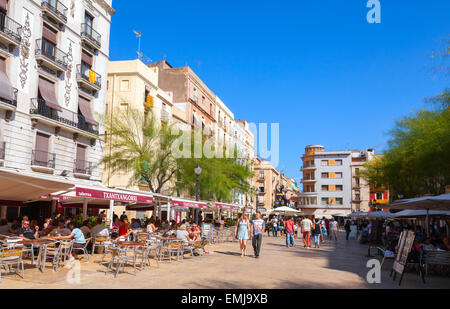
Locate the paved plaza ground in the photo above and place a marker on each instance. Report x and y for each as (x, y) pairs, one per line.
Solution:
(340, 264)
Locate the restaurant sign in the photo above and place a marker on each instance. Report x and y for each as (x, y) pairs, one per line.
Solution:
(190, 204)
(111, 195)
(225, 206)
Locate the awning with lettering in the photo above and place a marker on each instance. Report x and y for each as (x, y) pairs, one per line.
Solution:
(188, 203)
(226, 206)
(112, 194)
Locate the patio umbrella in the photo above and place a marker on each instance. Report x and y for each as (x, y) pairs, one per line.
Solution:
(357, 214)
(440, 202)
(379, 215)
(285, 210)
(412, 213)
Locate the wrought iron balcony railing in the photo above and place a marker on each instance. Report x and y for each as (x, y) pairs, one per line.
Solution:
(43, 158)
(10, 28)
(82, 167)
(56, 7)
(90, 34)
(12, 102)
(52, 53)
(88, 75)
(67, 117)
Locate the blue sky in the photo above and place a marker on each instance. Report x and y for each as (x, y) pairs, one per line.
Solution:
(315, 67)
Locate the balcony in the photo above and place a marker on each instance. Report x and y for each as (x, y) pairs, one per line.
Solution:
(88, 79)
(66, 119)
(2, 152)
(43, 161)
(309, 167)
(10, 32)
(9, 104)
(55, 12)
(312, 179)
(50, 57)
(91, 37)
(82, 169)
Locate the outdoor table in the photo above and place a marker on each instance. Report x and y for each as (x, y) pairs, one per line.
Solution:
(130, 243)
(42, 255)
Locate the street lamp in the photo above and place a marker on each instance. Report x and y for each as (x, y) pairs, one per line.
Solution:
(197, 171)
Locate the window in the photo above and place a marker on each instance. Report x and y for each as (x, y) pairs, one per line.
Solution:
(324, 201)
(124, 85)
(89, 21)
(324, 163)
(379, 195)
(324, 175)
(195, 94)
(339, 201)
(324, 188)
(203, 100)
(41, 155)
(339, 188)
(338, 162)
(338, 175)
(261, 189)
(80, 163)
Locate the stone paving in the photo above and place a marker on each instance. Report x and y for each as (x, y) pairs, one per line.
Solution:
(340, 264)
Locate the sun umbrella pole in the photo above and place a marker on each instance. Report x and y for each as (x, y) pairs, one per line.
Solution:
(427, 222)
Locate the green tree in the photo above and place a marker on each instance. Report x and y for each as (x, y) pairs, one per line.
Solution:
(139, 146)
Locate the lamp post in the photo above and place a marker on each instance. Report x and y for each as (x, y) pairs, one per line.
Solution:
(197, 171)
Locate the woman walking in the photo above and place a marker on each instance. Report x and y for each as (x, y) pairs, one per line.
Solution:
(317, 230)
(243, 232)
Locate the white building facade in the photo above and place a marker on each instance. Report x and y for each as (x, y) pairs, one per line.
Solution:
(53, 70)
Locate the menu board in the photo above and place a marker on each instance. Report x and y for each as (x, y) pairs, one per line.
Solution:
(405, 243)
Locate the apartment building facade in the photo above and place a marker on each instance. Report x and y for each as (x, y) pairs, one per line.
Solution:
(266, 179)
(53, 64)
(190, 94)
(224, 126)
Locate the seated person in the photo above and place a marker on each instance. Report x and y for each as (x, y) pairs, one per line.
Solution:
(26, 233)
(79, 240)
(427, 245)
(4, 227)
(151, 227)
(194, 232)
(99, 229)
(183, 234)
(135, 225)
(124, 229)
(86, 228)
(14, 229)
(61, 230)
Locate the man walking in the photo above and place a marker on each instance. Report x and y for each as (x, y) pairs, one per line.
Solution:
(334, 227)
(306, 230)
(256, 230)
(274, 222)
(289, 229)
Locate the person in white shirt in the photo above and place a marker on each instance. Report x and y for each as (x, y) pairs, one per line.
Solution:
(306, 225)
(334, 228)
(99, 229)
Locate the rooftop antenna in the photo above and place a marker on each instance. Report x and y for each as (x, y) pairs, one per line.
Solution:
(198, 63)
(138, 36)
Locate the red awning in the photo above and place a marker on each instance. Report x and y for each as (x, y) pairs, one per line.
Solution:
(47, 90)
(226, 206)
(188, 203)
(85, 109)
(111, 194)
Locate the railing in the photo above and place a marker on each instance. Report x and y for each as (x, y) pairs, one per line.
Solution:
(11, 102)
(83, 72)
(10, 27)
(43, 158)
(51, 52)
(56, 7)
(91, 34)
(2, 150)
(82, 167)
(308, 166)
(67, 117)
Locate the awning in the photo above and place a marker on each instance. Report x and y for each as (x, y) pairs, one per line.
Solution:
(112, 194)
(47, 90)
(440, 202)
(24, 186)
(139, 207)
(85, 109)
(4, 5)
(188, 203)
(226, 206)
(6, 89)
(80, 205)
